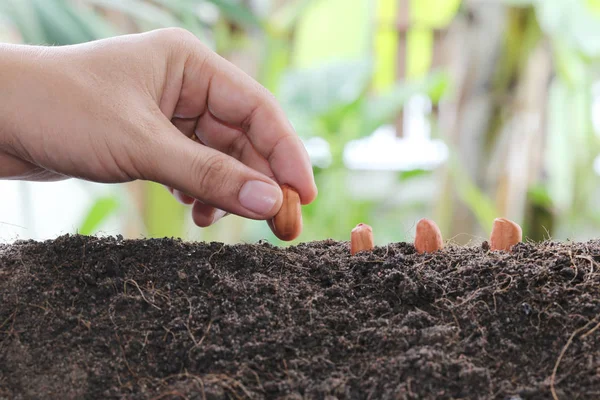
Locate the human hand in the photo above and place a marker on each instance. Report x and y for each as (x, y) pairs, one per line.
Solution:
(125, 108)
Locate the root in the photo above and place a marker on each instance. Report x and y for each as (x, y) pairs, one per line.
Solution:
(171, 393)
(197, 379)
(566, 347)
(140, 290)
(215, 253)
(592, 264)
(11, 316)
(199, 342)
(594, 329)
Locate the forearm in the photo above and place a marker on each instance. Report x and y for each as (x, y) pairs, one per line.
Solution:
(19, 75)
(16, 63)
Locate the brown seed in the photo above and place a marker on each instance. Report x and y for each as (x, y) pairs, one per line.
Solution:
(505, 234)
(428, 237)
(361, 239)
(287, 223)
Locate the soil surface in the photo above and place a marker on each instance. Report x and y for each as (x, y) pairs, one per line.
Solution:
(84, 317)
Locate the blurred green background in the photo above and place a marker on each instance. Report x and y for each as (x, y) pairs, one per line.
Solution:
(459, 111)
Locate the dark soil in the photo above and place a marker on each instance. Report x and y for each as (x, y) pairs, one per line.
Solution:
(104, 318)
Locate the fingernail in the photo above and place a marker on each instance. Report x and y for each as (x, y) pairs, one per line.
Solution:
(182, 197)
(217, 215)
(259, 197)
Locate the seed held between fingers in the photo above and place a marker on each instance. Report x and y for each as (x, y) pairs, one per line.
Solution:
(361, 239)
(287, 222)
(505, 234)
(428, 237)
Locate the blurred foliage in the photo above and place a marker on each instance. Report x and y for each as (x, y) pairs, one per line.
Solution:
(102, 208)
(333, 68)
(333, 102)
(574, 31)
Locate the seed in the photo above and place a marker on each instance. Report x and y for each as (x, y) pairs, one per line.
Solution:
(361, 239)
(428, 237)
(505, 234)
(287, 223)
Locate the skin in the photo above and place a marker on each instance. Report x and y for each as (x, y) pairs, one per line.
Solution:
(125, 108)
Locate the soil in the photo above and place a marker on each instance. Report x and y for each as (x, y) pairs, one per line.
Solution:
(85, 317)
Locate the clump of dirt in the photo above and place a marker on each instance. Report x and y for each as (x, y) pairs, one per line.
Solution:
(85, 317)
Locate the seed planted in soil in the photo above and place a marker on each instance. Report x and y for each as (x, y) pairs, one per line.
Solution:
(287, 222)
(505, 234)
(361, 239)
(428, 237)
(102, 317)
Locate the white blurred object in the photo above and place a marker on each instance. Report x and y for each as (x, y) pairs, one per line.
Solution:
(40, 211)
(319, 151)
(596, 119)
(45, 210)
(597, 165)
(261, 8)
(384, 151)
(207, 12)
(596, 107)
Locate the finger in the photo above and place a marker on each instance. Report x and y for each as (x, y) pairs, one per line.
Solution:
(232, 142)
(185, 125)
(212, 84)
(225, 139)
(209, 175)
(182, 197)
(204, 215)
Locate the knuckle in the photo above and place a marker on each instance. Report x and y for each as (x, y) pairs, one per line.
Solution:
(237, 146)
(177, 36)
(212, 173)
(268, 97)
(272, 109)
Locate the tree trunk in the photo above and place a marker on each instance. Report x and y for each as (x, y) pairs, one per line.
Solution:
(496, 120)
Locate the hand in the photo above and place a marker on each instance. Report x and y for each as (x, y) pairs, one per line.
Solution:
(126, 108)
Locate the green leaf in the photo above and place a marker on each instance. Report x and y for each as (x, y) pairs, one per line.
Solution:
(23, 14)
(384, 108)
(57, 22)
(594, 6)
(185, 11)
(286, 17)
(238, 13)
(573, 22)
(539, 195)
(413, 173)
(164, 216)
(331, 30)
(519, 3)
(103, 208)
(569, 64)
(316, 91)
(433, 13)
(60, 24)
(276, 60)
(94, 24)
(141, 10)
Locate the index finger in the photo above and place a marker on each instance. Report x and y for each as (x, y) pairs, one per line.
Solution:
(234, 98)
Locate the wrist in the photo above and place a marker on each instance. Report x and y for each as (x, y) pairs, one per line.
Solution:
(19, 72)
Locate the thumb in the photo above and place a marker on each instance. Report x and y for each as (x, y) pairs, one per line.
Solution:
(210, 176)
